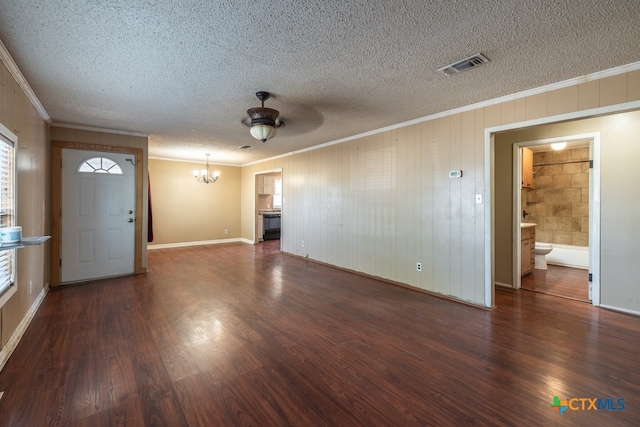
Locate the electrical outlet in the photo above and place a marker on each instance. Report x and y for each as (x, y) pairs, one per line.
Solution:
(226, 231)
(418, 266)
(302, 244)
(478, 198)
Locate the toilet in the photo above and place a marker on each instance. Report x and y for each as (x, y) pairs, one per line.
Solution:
(540, 251)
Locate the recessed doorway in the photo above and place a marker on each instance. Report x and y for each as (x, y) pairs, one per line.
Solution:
(555, 216)
(268, 206)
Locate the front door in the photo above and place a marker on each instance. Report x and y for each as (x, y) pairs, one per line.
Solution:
(98, 214)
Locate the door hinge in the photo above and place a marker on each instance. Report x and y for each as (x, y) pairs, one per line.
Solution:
(590, 277)
(590, 164)
(60, 262)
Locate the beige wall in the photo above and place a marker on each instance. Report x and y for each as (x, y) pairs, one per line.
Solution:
(185, 210)
(380, 204)
(33, 172)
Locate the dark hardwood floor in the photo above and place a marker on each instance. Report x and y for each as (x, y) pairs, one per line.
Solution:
(559, 281)
(242, 335)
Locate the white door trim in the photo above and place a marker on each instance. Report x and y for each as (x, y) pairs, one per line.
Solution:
(255, 202)
(489, 169)
(594, 207)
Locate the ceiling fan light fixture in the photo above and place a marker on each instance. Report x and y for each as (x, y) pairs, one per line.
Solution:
(264, 121)
(263, 132)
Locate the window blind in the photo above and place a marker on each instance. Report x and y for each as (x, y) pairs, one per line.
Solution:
(7, 210)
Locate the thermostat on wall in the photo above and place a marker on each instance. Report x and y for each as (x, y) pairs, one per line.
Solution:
(455, 174)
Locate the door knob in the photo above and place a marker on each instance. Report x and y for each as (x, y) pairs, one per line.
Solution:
(130, 211)
(130, 220)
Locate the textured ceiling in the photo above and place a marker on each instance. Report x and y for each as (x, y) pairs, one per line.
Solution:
(186, 72)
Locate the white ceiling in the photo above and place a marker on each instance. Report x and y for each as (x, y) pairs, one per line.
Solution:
(186, 72)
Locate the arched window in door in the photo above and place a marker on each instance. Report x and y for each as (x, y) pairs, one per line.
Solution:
(100, 165)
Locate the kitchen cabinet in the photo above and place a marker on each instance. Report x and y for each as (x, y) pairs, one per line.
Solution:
(527, 168)
(266, 185)
(527, 246)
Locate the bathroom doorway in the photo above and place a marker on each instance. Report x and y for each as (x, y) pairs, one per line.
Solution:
(556, 215)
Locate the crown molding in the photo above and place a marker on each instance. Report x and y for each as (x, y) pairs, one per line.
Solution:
(199, 162)
(535, 91)
(8, 61)
(99, 129)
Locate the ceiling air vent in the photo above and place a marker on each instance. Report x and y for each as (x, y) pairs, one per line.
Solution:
(245, 147)
(463, 65)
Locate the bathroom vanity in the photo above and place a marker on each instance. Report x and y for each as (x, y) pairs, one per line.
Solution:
(527, 246)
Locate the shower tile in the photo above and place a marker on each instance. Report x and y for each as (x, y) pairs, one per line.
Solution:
(562, 237)
(562, 181)
(562, 209)
(580, 239)
(580, 209)
(580, 180)
(572, 168)
(572, 195)
(580, 153)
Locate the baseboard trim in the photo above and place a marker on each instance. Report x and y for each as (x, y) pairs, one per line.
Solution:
(620, 310)
(8, 349)
(503, 285)
(198, 243)
(450, 298)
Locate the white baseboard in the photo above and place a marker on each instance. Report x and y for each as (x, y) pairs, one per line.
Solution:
(623, 310)
(8, 349)
(198, 243)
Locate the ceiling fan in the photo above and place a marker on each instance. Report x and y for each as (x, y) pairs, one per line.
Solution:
(264, 122)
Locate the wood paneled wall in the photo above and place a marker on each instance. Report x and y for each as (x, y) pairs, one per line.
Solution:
(33, 170)
(381, 203)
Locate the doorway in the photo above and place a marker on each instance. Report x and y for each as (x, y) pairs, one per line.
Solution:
(556, 209)
(97, 215)
(268, 203)
(136, 154)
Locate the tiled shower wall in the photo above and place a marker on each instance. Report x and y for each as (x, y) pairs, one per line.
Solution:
(559, 203)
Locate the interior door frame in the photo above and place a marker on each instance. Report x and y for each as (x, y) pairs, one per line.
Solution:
(489, 180)
(56, 202)
(256, 238)
(594, 208)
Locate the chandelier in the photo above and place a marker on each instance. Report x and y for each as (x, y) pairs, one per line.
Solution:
(264, 121)
(205, 175)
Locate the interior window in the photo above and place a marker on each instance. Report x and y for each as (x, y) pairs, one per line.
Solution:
(100, 165)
